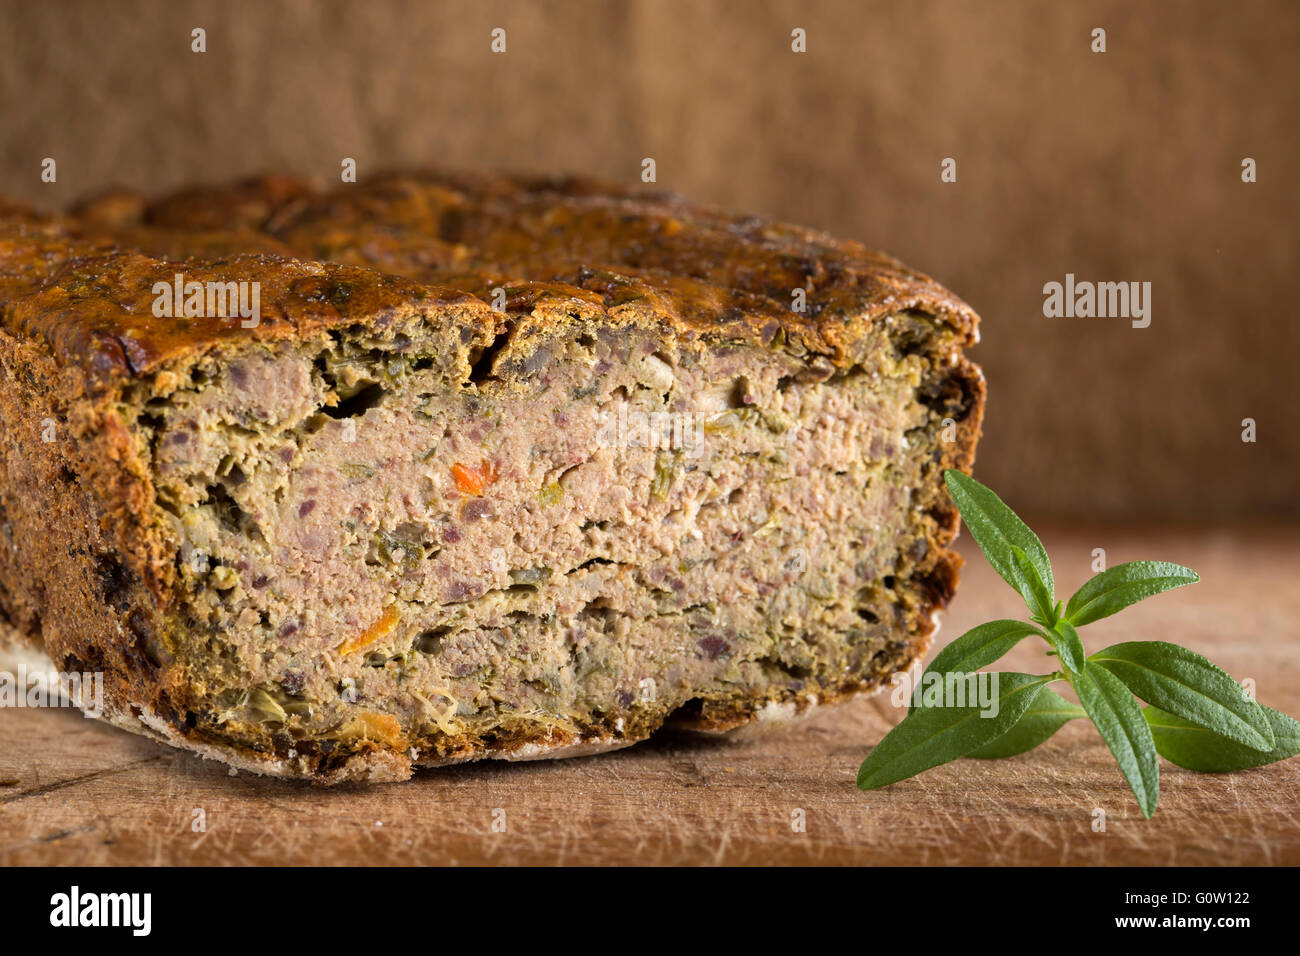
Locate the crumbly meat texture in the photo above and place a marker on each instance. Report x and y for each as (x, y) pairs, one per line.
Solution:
(509, 467)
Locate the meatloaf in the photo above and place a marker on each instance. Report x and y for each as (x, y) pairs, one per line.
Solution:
(499, 466)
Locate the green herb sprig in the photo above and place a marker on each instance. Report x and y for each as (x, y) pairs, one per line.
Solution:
(1196, 716)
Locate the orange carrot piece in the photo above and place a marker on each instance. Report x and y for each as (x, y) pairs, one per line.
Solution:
(474, 479)
(387, 621)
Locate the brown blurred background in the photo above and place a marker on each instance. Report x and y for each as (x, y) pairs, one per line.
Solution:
(1117, 166)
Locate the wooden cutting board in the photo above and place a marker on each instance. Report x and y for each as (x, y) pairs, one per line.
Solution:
(75, 791)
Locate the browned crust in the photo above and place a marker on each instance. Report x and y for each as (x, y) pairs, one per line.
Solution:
(87, 576)
(697, 270)
(88, 300)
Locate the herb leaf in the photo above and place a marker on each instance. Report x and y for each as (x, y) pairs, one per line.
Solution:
(981, 646)
(1199, 716)
(1119, 719)
(930, 736)
(1186, 684)
(1188, 745)
(996, 528)
(1039, 599)
(1116, 588)
(1046, 715)
(1068, 645)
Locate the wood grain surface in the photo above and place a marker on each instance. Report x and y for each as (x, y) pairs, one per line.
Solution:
(73, 791)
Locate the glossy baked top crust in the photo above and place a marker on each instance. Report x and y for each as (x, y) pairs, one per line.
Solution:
(404, 242)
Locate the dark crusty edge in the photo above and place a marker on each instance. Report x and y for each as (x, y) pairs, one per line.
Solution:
(71, 355)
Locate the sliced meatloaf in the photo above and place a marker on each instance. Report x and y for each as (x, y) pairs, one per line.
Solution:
(504, 467)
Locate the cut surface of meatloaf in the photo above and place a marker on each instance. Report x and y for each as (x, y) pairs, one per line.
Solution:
(507, 467)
